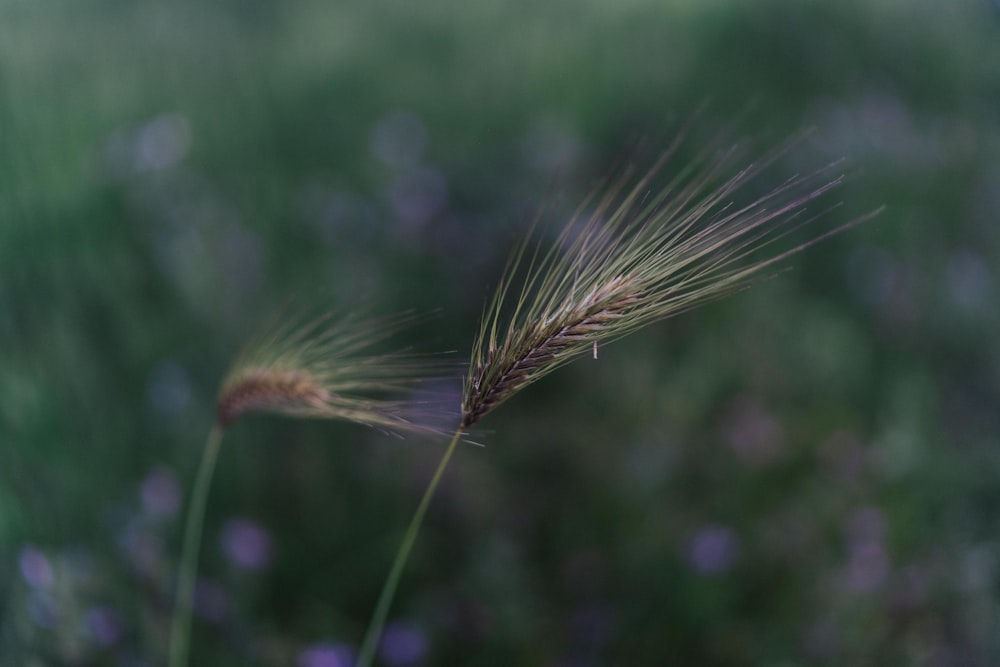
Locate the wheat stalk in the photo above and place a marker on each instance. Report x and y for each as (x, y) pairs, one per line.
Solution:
(321, 369)
(635, 255)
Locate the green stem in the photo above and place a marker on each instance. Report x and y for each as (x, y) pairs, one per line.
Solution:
(402, 554)
(180, 630)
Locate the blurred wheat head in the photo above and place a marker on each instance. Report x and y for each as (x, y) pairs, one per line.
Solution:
(320, 369)
(324, 369)
(637, 253)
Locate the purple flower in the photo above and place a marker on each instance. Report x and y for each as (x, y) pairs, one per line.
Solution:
(713, 550)
(402, 645)
(246, 544)
(867, 567)
(104, 625)
(755, 436)
(35, 568)
(325, 654)
(867, 563)
(161, 494)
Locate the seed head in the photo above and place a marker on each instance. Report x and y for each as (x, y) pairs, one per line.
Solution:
(324, 369)
(632, 256)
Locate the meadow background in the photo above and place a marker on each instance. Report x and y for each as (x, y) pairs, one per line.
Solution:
(805, 474)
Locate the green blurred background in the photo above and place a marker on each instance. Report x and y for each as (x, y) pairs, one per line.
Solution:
(805, 474)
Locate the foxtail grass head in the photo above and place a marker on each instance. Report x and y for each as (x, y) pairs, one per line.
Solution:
(633, 255)
(326, 369)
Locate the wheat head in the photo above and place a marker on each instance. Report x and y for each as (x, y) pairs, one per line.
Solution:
(635, 255)
(325, 369)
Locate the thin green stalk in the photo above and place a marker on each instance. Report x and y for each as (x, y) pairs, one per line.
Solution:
(385, 598)
(180, 630)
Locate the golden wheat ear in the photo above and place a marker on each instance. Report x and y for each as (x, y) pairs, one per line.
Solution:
(326, 369)
(641, 253)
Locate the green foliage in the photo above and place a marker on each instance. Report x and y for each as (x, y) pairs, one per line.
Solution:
(802, 474)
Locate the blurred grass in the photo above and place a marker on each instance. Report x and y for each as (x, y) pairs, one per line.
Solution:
(172, 174)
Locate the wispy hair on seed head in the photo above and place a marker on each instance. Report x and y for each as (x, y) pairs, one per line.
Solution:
(327, 368)
(637, 254)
